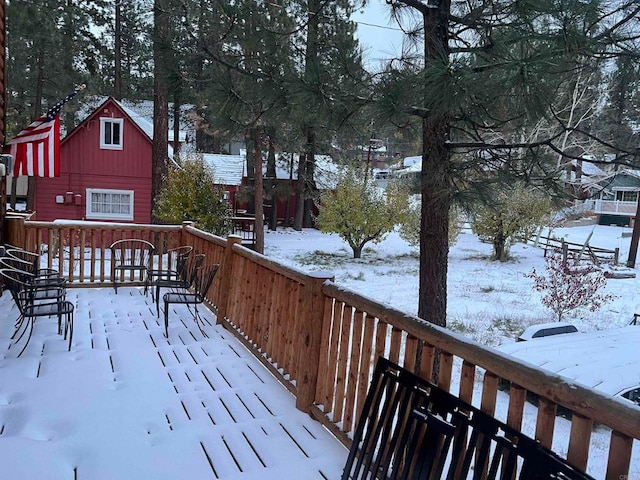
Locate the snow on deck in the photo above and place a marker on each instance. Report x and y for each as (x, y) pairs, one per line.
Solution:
(128, 403)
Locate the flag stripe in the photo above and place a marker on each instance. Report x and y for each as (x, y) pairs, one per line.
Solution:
(36, 149)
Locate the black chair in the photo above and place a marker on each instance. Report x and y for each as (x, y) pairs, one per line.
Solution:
(410, 429)
(182, 280)
(25, 297)
(31, 261)
(131, 255)
(37, 278)
(176, 263)
(203, 280)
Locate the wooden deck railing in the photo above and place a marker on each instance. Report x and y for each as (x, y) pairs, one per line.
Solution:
(322, 341)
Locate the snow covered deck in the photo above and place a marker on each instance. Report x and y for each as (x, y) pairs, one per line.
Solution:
(128, 403)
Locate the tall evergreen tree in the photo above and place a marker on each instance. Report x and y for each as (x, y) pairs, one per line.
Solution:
(489, 69)
(162, 55)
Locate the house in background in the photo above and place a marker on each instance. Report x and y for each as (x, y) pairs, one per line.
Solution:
(105, 170)
(614, 197)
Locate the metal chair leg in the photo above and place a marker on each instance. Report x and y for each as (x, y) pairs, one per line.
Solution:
(31, 322)
(166, 319)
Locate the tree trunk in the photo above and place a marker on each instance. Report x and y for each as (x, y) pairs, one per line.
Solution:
(176, 128)
(272, 193)
(357, 251)
(300, 192)
(117, 70)
(436, 185)
(304, 203)
(37, 112)
(498, 247)
(635, 238)
(309, 184)
(259, 190)
(159, 160)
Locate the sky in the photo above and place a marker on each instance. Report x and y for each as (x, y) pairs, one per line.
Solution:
(128, 407)
(378, 34)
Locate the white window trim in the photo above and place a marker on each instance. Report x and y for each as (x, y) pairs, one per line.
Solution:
(90, 215)
(110, 146)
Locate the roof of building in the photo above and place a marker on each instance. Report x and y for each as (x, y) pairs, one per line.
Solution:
(227, 169)
(141, 113)
(325, 174)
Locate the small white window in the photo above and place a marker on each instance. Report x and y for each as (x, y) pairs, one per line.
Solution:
(109, 204)
(111, 133)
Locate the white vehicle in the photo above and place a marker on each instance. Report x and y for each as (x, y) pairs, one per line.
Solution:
(546, 329)
(606, 360)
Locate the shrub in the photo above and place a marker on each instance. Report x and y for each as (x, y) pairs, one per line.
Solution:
(190, 194)
(511, 213)
(359, 212)
(410, 226)
(568, 287)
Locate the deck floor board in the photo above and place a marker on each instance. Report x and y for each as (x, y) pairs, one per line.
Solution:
(127, 402)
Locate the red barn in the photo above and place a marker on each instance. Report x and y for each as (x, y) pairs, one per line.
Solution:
(105, 172)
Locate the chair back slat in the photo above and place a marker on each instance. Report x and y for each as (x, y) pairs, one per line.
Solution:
(192, 265)
(410, 429)
(204, 279)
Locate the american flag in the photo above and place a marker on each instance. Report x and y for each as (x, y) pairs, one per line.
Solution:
(36, 149)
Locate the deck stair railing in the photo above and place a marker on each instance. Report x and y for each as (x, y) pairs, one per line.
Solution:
(323, 341)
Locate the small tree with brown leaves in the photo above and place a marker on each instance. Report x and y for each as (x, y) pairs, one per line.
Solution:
(568, 287)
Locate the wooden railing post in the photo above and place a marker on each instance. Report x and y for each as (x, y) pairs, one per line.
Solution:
(226, 274)
(183, 237)
(310, 339)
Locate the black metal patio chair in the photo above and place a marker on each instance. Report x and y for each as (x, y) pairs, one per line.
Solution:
(182, 280)
(131, 255)
(31, 262)
(409, 429)
(31, 307)
(203, 279)
(37, 278)
(176, 263)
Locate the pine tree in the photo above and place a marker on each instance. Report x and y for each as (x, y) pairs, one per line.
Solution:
(486, 73)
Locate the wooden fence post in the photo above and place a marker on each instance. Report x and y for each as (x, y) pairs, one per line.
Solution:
(310, 340)
(226, 274)
(183, 237)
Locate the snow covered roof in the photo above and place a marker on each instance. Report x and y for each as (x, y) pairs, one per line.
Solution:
(604, 360)
(413, 168)
(408, 161)
(141, 112)
(228, 169)
(325, 175)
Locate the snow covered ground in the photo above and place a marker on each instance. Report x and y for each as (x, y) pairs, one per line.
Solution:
(492, 302)
(95, 393)
(128, 403)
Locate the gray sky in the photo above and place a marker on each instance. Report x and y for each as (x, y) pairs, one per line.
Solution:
(378, 35)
